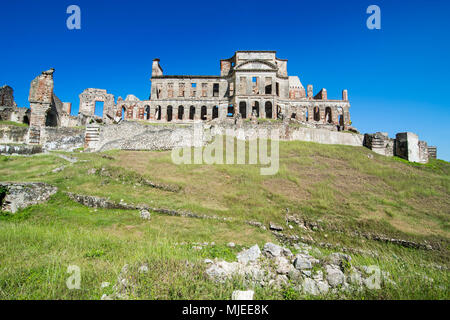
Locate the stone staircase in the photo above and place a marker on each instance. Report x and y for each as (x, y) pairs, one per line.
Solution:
(34, 135)
(92, 135)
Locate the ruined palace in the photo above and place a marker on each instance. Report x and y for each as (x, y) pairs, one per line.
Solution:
(253, 90)
(251, 84)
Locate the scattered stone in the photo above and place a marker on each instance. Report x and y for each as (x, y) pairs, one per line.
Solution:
(145, 214)
(58, 169)
(143, 268)
(249, 255)
(283, 265)
(272, 249)
(104, 285)
(302, 261)
(339, 259)
(275, 227)
(20, 195)
(257, 224)
(92, 171)
(310, 287)
(335, 276)
(207, 261)
(106, 297)
(242, 295)
(231, 245)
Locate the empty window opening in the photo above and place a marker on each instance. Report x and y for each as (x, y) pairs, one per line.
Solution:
(328, 115)
(203, 113)
(26, 120)
(147, 112)
(180, 113)
(169, 113)
(243, 109)
(341, 120)
(268, 86)
(293, 115)
(215, 90)
(158, 113)
(123, 112)
(316, 114)
(268, 110)
(170, 90)
(99, 108)
(230, 111)
(215, 112)
(191, 113)
(242, 85)
(255, 85)
(255, 109)
(181, 89)
(277, 88)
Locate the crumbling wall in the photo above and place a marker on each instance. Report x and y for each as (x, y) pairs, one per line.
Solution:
(7, 96)
(407, 146)
(129, 135)
(90, 96)
(380, 143)
(60, 138)
(432, 152)
(13, 134)
(41, 98)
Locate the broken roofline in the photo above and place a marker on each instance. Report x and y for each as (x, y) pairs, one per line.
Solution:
(187, 76)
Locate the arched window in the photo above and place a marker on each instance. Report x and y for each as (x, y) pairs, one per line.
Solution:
(215, 112)
(255, 109)
(180, 113)
(243, 109)
(191, 113)
(328, 115)
(124, 112)
(230, 110)
(203, 113)
(316, 114)
(158, 113)
(169, 113)
(147, 112)
(268, 109)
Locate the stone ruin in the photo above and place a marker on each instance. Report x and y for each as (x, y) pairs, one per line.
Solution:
(406, 145)
(8, 107)
(253, 86)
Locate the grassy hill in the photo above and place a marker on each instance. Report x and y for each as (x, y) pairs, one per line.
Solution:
(341, 189)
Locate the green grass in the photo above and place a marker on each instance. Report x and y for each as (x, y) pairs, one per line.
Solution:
(337, 186)
(12, 123)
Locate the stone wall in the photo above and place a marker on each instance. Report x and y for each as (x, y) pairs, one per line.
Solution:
(13, 134)
(64, 139)
(41, 98)
(380, 143)
(20, 149)
(7, 96)
(129, 135)
(136, 136)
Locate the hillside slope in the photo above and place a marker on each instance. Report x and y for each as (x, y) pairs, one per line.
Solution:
(348, 198)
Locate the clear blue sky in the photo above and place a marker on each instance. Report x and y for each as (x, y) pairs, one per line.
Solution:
(397, 77)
